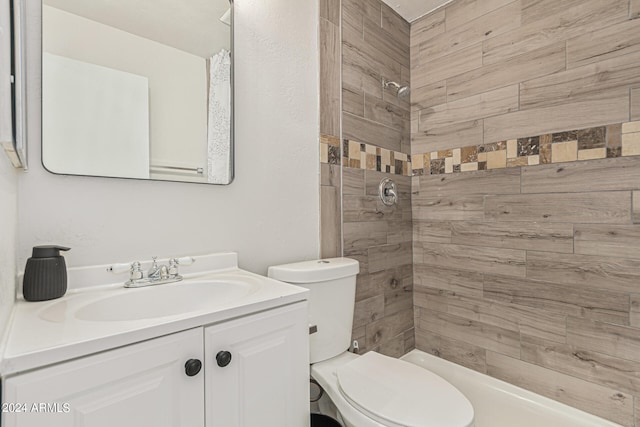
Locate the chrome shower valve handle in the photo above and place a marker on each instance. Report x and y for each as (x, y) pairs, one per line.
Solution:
(387, 191)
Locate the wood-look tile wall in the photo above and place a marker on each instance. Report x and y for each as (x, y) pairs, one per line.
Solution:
(489, 71)
(374, 45)
(530, 274)
(380, 238)
(330, 176)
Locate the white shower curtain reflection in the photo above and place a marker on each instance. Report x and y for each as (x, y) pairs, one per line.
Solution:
(219, 122)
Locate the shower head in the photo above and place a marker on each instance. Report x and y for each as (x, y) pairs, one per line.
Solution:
(404, 91)
(401, 91)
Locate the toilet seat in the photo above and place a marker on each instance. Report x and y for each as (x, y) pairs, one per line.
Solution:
(395, 393)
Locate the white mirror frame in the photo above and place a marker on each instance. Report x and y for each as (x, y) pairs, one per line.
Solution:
(12, 79)
(227, 175)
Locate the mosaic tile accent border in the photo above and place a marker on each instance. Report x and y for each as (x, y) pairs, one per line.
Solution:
(601, 142)
(363, 156)
(617, 140)
(359, 155)
(329, 149)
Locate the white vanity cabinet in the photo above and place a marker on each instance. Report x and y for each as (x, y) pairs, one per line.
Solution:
(264, 384)
(257, 370)
(143, 384)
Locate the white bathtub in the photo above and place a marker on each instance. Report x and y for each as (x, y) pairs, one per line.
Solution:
(500, 404)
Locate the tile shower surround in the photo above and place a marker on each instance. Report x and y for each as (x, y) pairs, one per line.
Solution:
(618, 140)
(489, 254)
(527, 271)
(370, 229)
(508, 264)
(362, 42)
(380, 238)
(525, 143)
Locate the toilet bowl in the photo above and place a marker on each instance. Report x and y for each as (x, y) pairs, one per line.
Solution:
(371, 390)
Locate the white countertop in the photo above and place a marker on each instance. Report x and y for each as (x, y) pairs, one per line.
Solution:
(48, 332)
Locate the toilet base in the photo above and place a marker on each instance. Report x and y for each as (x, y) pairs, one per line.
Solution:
(332, 402)
(320, 420)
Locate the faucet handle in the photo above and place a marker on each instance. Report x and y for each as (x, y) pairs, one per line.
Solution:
(174, 262)
(135, 272)
(121, 268)
(173, 267)
(185, 260)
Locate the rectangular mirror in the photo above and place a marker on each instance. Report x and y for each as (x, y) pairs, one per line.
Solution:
(12, 78)
(138, 89)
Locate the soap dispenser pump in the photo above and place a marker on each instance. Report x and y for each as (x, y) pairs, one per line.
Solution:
(45, 275)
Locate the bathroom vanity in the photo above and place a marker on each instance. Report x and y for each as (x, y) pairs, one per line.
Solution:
(221, 348)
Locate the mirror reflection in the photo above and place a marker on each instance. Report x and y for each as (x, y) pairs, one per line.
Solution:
(138, 89)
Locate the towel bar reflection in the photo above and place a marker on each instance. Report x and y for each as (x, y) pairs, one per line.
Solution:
(199, 171)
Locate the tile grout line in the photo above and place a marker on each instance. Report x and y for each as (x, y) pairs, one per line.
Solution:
(340, 141)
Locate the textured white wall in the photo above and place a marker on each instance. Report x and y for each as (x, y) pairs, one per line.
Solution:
(269, 214)
(8, 235)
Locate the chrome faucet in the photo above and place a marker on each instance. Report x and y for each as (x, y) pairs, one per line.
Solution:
(156, 275)
(155, 272)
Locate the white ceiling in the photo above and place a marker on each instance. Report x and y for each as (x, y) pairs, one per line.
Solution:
(192, 26)
(414, 9)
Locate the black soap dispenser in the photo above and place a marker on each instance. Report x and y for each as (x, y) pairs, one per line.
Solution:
(45, 276)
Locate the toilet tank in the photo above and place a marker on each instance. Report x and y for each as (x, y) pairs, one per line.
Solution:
(332, 286)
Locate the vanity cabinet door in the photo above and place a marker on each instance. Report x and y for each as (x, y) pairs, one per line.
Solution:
(141, 385)
(257, 370)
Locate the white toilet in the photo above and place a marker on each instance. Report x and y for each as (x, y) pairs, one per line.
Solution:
(371, 390)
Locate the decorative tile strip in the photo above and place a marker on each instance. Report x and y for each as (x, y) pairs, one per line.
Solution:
(329, 149)
(363, 156)
(622, 139)
(601, 142)
(370, 157)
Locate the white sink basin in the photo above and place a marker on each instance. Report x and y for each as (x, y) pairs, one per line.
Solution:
(152, 301)
(97, 313)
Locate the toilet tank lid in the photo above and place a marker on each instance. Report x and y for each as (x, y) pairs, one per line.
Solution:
(315, 271)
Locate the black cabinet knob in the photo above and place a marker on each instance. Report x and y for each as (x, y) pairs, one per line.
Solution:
(192, 367)
(223, 358)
